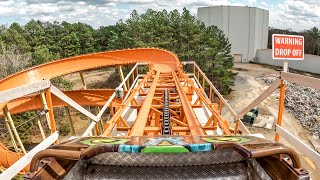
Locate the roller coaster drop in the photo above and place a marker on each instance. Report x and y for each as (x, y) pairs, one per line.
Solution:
(163, 125)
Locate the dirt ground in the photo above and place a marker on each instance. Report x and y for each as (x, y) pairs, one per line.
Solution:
(94, 79)
(249, 86)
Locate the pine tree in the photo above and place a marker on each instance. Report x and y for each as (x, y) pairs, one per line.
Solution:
(12, 36)
(84, 33)
(70, 45)
(41, 55)
(184, 35)
(35, 34)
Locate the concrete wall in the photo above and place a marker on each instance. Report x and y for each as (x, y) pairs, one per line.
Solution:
(246, 27)
(311, 63)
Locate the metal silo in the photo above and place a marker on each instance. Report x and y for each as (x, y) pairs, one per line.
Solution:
(246, 28)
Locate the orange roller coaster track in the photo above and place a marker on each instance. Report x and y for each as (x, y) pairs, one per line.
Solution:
(163, 61)
(164, 101)
(90, 61)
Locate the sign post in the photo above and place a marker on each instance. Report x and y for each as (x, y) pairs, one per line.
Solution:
(287, 48)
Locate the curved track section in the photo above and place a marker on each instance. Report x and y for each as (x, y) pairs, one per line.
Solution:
(165, 59)
(94, 97)
(8, 158)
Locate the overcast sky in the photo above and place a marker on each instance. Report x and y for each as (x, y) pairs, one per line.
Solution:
(288, 14)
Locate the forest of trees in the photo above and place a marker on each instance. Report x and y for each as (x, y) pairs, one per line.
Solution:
(39, 42)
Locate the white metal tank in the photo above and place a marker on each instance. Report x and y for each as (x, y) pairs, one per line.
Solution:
(246, 28)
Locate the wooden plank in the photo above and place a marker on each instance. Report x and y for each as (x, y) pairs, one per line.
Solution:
(258, 100)
(302, 80)
(26, 159)
(20, 91)
(299, 145)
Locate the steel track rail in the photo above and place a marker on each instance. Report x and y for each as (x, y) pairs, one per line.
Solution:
(192, 120)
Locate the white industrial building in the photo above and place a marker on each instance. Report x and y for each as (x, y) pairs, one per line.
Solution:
(246, 28)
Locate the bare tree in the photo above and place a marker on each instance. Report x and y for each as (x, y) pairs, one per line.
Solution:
(12, 61)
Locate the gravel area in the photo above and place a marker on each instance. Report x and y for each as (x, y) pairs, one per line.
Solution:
(303, 103)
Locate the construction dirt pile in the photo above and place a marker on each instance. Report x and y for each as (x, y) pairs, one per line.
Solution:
(302, 102)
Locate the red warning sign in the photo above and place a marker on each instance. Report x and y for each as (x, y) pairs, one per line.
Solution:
(287, 47)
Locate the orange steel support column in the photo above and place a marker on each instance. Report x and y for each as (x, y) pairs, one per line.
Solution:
(51, 115)
(137, 71)
(142, 118)
(281, 106)
(193, 123)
